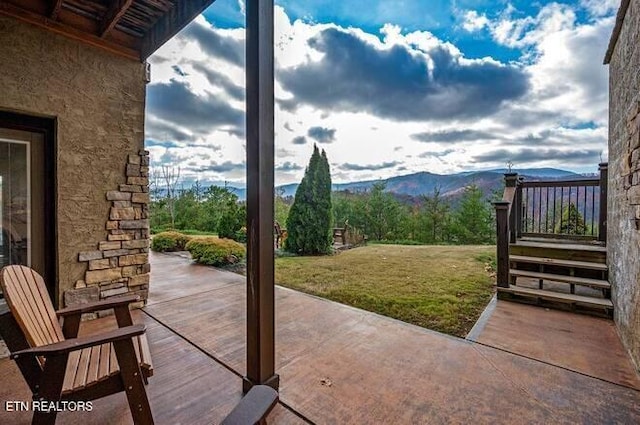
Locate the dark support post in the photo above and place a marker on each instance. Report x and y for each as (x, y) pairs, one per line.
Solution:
(511, 180)
(260, 192)
(502, 243)
(602, 222)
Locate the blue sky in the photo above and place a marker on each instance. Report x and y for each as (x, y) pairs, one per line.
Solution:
(391, 87)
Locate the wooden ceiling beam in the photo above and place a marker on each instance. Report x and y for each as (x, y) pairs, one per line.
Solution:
(116, 10)
(43, 21)
(55, 9)
(182, 13)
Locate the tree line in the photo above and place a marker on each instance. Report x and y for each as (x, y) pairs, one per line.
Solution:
(428, 219)
(376, 213)
(214, 209)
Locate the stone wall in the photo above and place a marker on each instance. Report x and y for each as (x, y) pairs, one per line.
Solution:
(120, 263)
(98, 102)
(624, 180)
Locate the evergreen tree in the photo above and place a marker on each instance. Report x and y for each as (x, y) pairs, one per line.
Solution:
(472, 223)
(323, 198)
(281, 207)
(572, 222)
(231, 221)
(309, 220)
(382, 213)
(436, 210)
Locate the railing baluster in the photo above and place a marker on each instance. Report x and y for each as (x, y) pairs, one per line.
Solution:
(561, 207)
(533, 210)
(593, 211)
(546, 213)
(526, 211)
(539, 209)
(577, 214)
(555, 192)
(585, 209)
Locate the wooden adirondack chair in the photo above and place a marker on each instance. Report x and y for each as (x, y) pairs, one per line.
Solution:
(57, 364)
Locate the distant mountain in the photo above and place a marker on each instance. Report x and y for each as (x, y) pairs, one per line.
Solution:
(540, 173)
(424, 183)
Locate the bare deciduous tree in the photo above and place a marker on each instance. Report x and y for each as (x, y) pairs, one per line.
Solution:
(154, 183)
(171, 177)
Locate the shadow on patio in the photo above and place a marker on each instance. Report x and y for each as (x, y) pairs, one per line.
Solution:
(342, 365)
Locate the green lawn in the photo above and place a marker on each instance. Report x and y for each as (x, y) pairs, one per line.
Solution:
(444, 288)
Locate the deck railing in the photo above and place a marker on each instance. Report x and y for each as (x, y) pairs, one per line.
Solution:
(566, 209)
(562, 209)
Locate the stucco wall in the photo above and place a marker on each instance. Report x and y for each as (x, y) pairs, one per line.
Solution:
(98, 100)
(624, 180)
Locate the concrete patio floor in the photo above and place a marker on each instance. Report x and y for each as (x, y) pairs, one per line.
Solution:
(340, 365)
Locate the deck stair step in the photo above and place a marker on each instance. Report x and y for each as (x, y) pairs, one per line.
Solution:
(558, 297)
(561, 244)
(583, 281)
(559, 262)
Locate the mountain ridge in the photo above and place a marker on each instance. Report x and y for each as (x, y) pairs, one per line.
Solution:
(424, 182)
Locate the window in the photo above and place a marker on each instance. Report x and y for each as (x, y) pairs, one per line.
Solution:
(15, 202)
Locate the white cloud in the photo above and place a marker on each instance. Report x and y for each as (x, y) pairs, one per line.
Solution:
(598, 8)
(564, 107)
(473, 21)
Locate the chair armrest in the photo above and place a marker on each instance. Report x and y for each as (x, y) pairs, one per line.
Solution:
(98, 305)
(69, 345)
(254, 406)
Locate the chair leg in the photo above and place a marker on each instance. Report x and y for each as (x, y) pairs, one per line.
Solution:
(133, 382)
(50, 389)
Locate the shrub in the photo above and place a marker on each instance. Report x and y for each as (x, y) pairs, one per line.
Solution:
(241, 235)
(216, 252)
(169, 241)
(162, 228)
(231, 222)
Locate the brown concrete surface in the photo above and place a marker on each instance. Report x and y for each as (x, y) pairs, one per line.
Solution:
(181, 281)
(585, 344)
(343, 365)
(338, 365)
(188, 387)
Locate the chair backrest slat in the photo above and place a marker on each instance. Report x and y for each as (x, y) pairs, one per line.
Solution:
(28, 300)
(35, 302)
(48, 312)
(18, 303)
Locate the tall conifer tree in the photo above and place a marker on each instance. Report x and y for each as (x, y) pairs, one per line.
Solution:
(309, 220)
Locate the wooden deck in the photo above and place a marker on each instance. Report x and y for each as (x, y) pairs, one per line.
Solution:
(341, 365)
(584, 344)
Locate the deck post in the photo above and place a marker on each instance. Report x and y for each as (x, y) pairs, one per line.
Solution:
(511, 181)
(602, 222)
(260, 192)
(502, 243)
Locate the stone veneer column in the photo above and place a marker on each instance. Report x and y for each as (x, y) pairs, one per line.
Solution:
(631, 162)
(120, 264)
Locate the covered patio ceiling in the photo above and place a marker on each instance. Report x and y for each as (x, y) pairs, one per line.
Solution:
(130, 28)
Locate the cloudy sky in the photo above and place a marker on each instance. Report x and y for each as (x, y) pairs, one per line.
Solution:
(391, 87)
